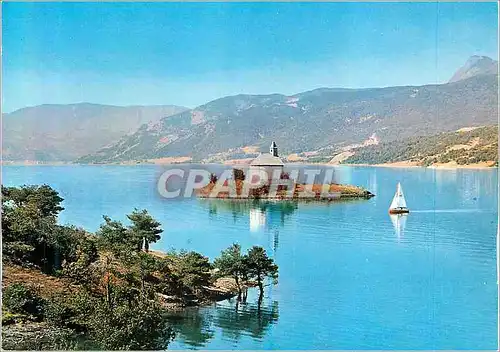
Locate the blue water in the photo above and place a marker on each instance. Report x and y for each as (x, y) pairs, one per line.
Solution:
(350, 277)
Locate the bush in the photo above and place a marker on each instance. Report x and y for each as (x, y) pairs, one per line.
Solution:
(58, 313)
(69, 311)
(18, 252)
(18, 298)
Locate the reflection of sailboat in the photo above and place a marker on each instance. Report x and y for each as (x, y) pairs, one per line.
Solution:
(399, 223)
(398, 205)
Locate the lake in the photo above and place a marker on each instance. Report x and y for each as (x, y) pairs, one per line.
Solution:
(350, 276)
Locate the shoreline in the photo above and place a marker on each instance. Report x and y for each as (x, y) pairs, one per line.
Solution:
(221, 289)
(394, 165)
(435, 166)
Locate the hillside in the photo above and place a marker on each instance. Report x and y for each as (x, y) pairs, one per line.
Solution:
(463, 147)
(66, 132)
(325, 118)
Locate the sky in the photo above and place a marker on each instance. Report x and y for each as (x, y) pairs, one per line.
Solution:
(190, 53)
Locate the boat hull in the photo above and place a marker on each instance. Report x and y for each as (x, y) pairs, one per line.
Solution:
(399, 211)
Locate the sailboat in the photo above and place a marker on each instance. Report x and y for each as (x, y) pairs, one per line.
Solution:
(398, 205)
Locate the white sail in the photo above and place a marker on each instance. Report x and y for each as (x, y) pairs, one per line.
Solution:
(399, 199)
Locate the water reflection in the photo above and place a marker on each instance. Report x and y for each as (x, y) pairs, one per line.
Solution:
(372, 184)
(192, 327)
(235, 320)
(238, 319)
(262, 215)
(399, 224)
(471, 187)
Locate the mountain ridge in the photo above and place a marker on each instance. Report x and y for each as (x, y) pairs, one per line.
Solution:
(318, 119)
(310, 120)
(64, 132)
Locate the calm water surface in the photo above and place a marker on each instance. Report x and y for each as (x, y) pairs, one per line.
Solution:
(351, 277)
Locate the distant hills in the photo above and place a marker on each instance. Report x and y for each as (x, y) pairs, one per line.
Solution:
(66, 132)
(313, 125)
(462, 147)
(318, 120)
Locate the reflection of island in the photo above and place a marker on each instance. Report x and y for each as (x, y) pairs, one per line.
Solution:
(399, 223)
(270, 215)
(261, 214)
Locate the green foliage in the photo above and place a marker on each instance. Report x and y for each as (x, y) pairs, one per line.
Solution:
(133, 325)
(232, 263)
(12, 318)
(260, 266)
(142, 266)
(31, 235)
(58, 312)
(192, 269)
(144, 228)
(18, 298)
(114, 303)
(18, 252)
(115, 237)
(254, 265)
(43, 198)
(69, 311)
(122, 241)
(126, 321)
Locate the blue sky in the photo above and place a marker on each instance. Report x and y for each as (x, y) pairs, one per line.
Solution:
(191, 53)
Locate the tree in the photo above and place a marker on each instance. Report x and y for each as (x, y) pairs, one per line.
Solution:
(46, 199)
(29, 218)
(231, 263)
(142, 325)
(260, 266)
(193, 270)
(146, 266)
(113, 236)
(145, 228)
(80, 265)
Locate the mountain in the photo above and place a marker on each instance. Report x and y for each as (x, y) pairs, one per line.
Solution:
(309, 122)
(475, 66)
(464, 147)
(66, 132)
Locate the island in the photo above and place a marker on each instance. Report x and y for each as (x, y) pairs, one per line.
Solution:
(275, 183)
